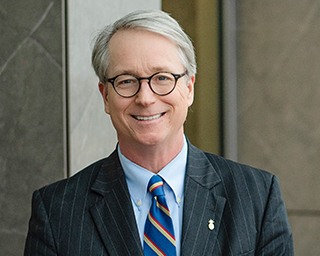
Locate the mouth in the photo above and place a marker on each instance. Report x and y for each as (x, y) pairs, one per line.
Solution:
(148, 118)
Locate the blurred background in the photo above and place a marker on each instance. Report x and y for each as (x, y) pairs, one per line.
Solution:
(256, 97)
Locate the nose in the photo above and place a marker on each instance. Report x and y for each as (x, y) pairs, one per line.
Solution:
(145, 96)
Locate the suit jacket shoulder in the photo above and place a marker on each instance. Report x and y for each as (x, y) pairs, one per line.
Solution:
(75, 184)
(87, 214)
(244, 203)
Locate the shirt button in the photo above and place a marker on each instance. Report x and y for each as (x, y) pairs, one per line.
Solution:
(179, 200)
(139, 203)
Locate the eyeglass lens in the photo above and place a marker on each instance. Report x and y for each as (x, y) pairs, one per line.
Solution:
(160, 83)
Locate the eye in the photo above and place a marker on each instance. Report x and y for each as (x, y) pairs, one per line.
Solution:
(163, 78)
(125, 80)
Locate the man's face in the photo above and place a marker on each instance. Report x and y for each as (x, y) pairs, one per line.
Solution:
(146, 119)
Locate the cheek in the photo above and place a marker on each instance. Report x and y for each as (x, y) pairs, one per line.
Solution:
(114, 109)
(116, 116)
(185, 97)
(179, 103)
(118, 107)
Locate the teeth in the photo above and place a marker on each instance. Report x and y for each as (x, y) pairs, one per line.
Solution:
(145, 118)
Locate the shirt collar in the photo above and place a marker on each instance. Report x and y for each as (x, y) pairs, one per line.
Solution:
(138, 177)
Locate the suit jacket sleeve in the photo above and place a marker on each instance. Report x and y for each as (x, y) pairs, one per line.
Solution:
(275, 237)
(40, 239)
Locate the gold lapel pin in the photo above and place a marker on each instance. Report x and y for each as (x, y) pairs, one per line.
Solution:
(211, 224)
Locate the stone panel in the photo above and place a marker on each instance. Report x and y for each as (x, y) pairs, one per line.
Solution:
(278, 68)
(31, 111)
(305, 234)
(278, 104)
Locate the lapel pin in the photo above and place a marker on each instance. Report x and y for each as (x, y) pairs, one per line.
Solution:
(211, 224)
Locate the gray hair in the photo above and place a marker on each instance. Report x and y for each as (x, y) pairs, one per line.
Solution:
(152, 20)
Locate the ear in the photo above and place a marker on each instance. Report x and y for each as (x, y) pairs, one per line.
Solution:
(190, 88)
(104, 93)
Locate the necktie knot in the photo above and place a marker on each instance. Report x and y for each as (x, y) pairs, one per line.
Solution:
(155, 186)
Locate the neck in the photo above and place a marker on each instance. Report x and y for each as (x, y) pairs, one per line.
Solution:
(152, 157)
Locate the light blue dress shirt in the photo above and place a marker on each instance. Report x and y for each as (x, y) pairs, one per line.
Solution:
(173, 175)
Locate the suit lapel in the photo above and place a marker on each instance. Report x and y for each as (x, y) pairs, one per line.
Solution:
(113, 213)
(201, 205)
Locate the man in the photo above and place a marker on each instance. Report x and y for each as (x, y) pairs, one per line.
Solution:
(146, 68)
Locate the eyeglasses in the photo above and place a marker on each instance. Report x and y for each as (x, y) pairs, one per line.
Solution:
(161, 83)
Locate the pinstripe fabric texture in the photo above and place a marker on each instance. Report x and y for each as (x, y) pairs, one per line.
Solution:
(91, 213)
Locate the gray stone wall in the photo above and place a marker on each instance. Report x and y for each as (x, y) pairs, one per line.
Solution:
(278, 104)
(31, 111)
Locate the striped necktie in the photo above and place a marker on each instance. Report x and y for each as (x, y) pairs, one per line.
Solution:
(158, 231)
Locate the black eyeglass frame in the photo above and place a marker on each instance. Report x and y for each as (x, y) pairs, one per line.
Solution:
(176, 77)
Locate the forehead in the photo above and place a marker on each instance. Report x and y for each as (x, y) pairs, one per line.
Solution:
(138, 50)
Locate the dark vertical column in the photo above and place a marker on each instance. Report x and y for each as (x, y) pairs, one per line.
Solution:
(32, 125)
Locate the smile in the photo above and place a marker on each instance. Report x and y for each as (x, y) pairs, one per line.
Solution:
(147, 118)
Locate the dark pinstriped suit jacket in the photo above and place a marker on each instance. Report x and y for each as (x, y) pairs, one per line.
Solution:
(91, 213)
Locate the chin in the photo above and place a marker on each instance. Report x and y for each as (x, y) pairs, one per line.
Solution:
(150, 140)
